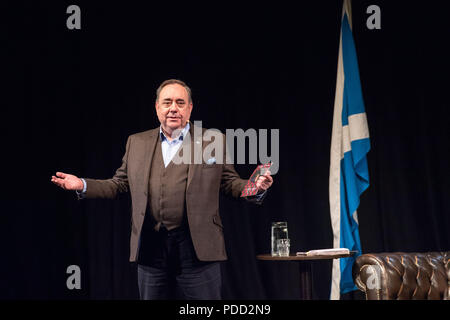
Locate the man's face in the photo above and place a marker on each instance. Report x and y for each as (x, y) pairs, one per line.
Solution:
(173, 107)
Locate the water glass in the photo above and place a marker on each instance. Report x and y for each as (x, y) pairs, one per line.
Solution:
(283, 246)
(279, 231)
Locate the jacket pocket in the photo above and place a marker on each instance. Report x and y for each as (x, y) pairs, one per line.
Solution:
(217, 220)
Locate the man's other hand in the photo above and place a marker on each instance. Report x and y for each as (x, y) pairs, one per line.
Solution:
(68, 181)
(264, 182)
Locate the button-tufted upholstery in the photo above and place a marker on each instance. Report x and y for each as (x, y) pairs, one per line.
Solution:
(403, 276)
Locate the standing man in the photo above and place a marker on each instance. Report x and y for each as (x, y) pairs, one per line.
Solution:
(180, 242)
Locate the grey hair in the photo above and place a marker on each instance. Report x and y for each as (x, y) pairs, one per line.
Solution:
(174, 81)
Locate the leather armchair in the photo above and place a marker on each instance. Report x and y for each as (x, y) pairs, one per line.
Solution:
(403, 276)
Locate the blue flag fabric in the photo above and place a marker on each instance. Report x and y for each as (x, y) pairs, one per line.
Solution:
(349, 176)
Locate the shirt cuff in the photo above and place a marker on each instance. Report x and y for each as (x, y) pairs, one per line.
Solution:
(259, 196)
(82, 194)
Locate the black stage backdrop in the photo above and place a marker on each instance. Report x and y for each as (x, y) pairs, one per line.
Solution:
(70, 99)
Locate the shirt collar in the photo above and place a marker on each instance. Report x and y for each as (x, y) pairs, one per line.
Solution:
(180, 137)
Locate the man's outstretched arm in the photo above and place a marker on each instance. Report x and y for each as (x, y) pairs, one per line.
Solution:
(96, 188)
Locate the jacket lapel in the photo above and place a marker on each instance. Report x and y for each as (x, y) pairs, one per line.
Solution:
(148, 151)
(196, 146)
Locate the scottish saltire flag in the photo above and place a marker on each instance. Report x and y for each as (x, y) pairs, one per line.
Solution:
(349, 175)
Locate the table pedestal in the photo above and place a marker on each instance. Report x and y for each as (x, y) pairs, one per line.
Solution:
(305, 280)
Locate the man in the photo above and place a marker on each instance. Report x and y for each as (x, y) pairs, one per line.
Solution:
(180, 242)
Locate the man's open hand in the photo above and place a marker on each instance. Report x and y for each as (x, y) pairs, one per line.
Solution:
(264, 182)
(67, 181)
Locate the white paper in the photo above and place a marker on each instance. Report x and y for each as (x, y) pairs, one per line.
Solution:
(324, 252)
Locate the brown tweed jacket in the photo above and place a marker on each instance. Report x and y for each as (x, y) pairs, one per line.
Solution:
(204, 183)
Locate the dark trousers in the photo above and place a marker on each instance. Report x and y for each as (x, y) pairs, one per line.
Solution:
(168, 268)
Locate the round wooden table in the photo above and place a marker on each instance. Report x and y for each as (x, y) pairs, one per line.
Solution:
(305, 269)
